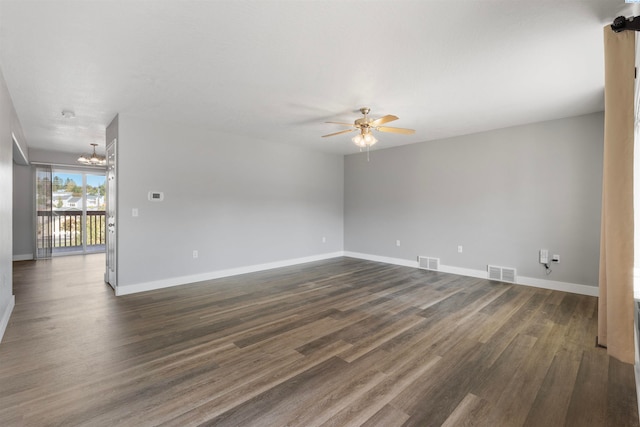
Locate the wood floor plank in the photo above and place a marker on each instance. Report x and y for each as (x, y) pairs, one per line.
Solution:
(588, 405)
(520, 391)
(341, 342)
(229, 398)
(374, 340)
(427, 400)
(502, 309)
(364, 406)
(266, 408)
(388, 416)
(552, 400)
(622, 406)
(491, 382)
(472, 411)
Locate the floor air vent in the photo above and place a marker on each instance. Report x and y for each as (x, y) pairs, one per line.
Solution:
(502, 274)
(428, 263)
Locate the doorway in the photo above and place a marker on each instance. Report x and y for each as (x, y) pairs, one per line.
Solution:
(75, 217)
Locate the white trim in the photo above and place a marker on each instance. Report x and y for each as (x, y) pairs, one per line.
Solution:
(183, 280)
(70, 166)
(378, 258)
(637, 372)
(636, 365)
(23, 257)
(574, 288)
(482, 274)
(24, 160)
(4, 320)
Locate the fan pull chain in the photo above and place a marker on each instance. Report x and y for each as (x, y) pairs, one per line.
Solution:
(367, 152)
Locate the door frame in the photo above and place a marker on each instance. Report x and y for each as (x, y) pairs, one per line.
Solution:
(111, 258)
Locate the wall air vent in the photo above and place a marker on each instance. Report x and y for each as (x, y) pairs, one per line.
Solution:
(495, 273)
(502, 274)
(428, 263)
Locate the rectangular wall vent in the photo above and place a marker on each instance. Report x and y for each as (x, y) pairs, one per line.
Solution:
(502, 274)
(428, 263)
(495, 273)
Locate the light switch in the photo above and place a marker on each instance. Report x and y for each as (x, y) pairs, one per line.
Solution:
(134, 212)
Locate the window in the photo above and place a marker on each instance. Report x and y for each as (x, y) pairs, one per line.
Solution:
(76, 216)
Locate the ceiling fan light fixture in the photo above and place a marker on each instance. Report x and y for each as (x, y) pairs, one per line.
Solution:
(369, 139)
(364, 140)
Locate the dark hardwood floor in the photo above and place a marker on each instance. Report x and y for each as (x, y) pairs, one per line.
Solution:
(342, 342)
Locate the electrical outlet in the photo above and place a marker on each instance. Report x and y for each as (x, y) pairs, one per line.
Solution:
(397, 242)
(459, 249)
(555, 258)
(544, 256)
(324, 239)
(195, 254)
(134, 212)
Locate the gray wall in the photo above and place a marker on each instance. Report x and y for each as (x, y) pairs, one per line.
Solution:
(23, 198)
(9, 125)
(238, 202)
(6, 203)
(502, 195)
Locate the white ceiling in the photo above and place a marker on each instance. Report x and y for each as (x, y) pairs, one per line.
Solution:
(277, 70)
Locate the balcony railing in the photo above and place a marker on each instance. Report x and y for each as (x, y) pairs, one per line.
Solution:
(66, 228)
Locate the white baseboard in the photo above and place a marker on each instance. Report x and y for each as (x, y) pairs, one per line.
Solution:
(183, 280)
(637, 372)
(6, 314)
(573, 288)
(23, 257)
(636, 341)
(482, 274)
(379, 258)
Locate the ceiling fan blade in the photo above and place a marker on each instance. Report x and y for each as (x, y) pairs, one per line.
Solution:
(341, 123)
(338, 133)
(382, 120)
(396, 130)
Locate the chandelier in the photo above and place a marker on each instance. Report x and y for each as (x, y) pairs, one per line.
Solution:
(93, 159)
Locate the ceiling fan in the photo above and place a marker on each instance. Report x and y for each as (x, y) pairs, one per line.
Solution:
(365, 125)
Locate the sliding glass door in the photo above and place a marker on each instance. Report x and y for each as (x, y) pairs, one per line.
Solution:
(95, 218)
(44, 217)
(77, 216)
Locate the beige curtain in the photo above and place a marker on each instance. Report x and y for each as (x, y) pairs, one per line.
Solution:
(615, 305)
